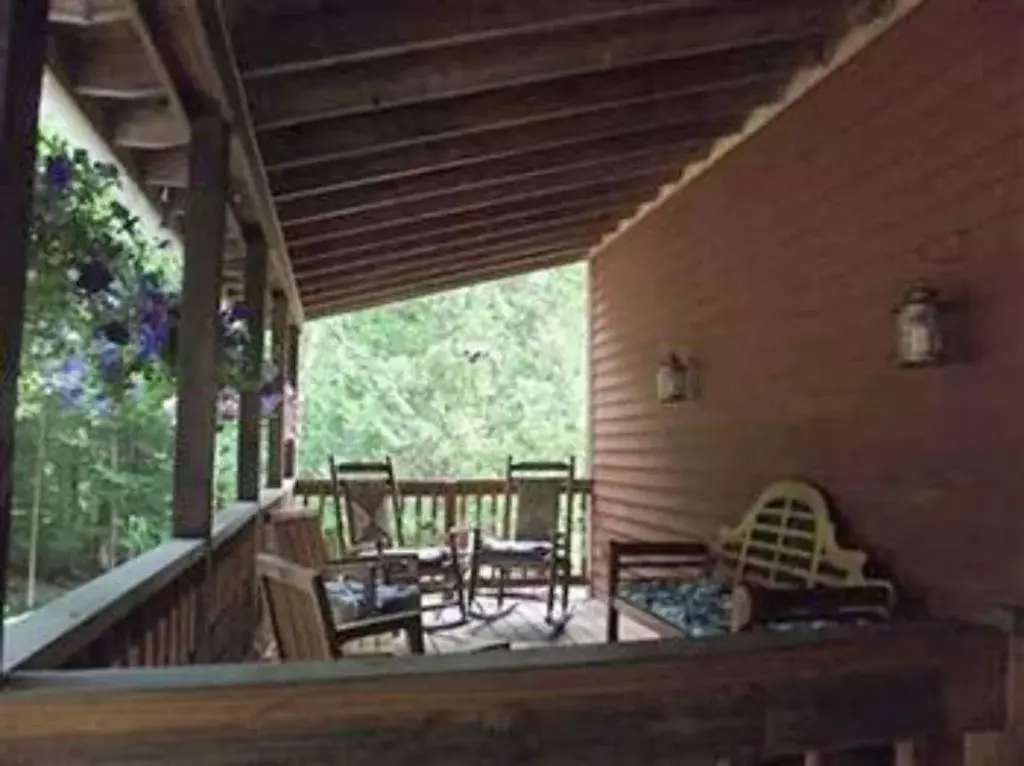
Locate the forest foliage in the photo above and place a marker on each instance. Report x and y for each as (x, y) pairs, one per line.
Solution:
(448, 385)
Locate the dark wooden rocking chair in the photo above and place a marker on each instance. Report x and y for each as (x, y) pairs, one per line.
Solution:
(362, 493)
(304, 622)
(533, 496)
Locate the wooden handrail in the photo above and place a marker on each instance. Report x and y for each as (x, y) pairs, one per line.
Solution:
(58, 632)
(757, 695)
(431, 504)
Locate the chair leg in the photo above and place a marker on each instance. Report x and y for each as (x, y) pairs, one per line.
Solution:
(566, 582)
(460, 588)
(552, 587)
(414, 634)
(474, 577)
(501, 587)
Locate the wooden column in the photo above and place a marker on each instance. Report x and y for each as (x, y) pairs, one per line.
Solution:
(249, 411)
(279, 355)
(22, 50)
(196, 429)
(290, 446)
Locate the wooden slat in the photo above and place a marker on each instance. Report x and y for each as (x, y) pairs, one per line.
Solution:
(196, 425)
(387, 265)
(438, 280)
(481, 185)
(718, 87)
(268, 44)
(456, 201)
(22, 51)
(422, 235)
(87, 13)
(547, 54)
(503, 141)
(114, 65)
(440, 244)
(335, 234)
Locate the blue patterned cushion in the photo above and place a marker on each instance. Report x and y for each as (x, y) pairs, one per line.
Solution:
(349, 599)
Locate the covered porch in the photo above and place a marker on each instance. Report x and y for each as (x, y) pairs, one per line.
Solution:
(317, 158)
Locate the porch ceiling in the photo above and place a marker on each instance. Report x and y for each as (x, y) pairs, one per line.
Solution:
(414, 146)
(398, 147)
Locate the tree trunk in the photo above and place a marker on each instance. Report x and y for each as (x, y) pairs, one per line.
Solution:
(37, 506)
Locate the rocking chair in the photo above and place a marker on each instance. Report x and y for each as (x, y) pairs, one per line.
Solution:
(362, 492)
(533, 494)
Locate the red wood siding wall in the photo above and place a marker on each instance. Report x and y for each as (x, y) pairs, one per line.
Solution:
(779, 269)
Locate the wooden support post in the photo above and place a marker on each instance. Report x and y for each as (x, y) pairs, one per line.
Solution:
(22, 51)
(248, 481)
(196, 430)
(275, 433)
(290, 455)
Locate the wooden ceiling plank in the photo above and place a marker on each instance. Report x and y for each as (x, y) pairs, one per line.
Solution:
(700, 109)
(405, 220)
(416, 269)
(465, 226)
(352, 263)
(664, 150)
(166, 168)
(568, 97)
(366, 297)
(269, 45)
(445, 73)
(479, 149)
(473, 199)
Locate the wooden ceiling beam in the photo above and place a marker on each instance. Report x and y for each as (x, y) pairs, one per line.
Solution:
(417, 268)
(441, 247)
(473, 199)
(550, 167)
(436, 74)
(728, 71)
(479, 148)
(409, 219)
(314, 180)
(461, 275)
(269, 45)
(407, 234)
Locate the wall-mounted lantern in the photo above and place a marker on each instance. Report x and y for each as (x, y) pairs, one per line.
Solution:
(920, 338)
(674, 379)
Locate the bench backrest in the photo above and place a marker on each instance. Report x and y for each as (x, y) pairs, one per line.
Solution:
(787, 539)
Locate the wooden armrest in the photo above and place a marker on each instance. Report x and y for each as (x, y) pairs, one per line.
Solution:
(372, 626)
(758, 604)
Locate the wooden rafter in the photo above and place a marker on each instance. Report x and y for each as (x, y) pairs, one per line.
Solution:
(595, 160)
(763, 67)
(652, 177)
(548, 54)
(446, 249)
(419, 234)
(313, 234)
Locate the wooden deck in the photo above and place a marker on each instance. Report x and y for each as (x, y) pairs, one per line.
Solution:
(524, 628)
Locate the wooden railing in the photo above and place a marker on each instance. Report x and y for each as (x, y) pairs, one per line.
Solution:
(184, 602)
(914, 688)
(430, 506)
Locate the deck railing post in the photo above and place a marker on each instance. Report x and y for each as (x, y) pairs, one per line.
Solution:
(291, 442)
(22, 51)
(279, 350)
(248, 482)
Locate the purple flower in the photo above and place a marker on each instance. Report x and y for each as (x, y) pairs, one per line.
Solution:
(111, 361)
(93, 276)
(102, 405)
(59, 172)
(240, 312)
(69, 381)
(151, 341)
(269, 403)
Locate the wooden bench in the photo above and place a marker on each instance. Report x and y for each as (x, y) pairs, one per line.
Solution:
(780, 564)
